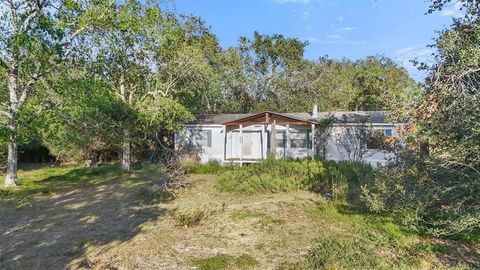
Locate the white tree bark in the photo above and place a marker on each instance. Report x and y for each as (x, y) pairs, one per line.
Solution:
(12, 161)
(126, 150)
(12, 158)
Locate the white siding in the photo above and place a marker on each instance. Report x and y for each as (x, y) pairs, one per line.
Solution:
(220, 149)
(205, 152)
(374, 157)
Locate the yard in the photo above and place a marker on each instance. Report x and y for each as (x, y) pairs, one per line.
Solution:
(101, 218)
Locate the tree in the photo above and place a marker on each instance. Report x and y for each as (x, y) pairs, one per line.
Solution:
(437, 189)
(379, 84)
(260, 69)
(351, 137)
(36, 35)
(157, 64)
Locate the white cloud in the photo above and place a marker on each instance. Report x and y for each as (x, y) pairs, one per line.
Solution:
(348, 28)
(343, 29)
(340, 18)
(453, 11)
(421, 53)
(305, 15)
(291, 1)
(334, 36)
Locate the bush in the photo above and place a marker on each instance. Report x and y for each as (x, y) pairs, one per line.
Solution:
(272, 175)
(427, 196)
(345, 179)
(211, 167)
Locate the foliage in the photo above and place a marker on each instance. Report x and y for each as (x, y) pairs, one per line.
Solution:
(345, 179)
(36, 38)
(271, 175)
(427, 196)
(211, 167)
(259, 78)
(435, 189)
(360, 241)
(80, 118)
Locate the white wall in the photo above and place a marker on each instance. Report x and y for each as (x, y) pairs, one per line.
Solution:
(216, 151)
(205, 153)
(374, 157)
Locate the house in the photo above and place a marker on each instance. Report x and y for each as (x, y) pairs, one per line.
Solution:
(248, 138)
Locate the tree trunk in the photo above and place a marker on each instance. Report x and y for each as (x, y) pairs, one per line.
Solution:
(12, 158)
(126, 150)
(12, 161)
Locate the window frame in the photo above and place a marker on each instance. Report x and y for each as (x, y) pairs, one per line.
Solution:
(205, 141)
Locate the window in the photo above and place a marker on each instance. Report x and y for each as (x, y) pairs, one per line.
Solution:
(387, 132)
(280, 139)
(201, 138)
(301, 139)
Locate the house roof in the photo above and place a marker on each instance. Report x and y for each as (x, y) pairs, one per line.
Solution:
(376, 117)
(296, 118)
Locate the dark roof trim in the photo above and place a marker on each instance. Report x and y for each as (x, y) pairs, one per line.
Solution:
(272, 113)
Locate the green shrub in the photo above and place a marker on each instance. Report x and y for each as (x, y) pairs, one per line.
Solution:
(271, 176)
(211, 167)
(346, 178)
(428, 196)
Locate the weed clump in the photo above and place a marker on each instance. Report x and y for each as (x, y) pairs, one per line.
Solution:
(192, 218)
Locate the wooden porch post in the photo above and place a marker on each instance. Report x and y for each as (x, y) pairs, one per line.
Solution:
(288, 140)
(225, 144)
(273, 139)
(313, 141)
(262, 141)
(241, 144)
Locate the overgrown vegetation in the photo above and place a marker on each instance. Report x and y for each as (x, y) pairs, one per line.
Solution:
(340, 180)
(211, 167)
(271, 175)
(434, 184)
(362, 241)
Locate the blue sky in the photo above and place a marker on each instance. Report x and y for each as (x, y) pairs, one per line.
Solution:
(339, 28)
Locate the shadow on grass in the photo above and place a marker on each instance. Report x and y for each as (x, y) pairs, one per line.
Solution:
(84, 208)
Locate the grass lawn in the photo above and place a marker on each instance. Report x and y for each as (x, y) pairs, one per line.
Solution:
(76, 218)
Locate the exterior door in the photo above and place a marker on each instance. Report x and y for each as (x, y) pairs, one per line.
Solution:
(252, 147)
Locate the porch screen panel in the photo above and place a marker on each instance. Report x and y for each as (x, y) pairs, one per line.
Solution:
(281, 139)
(301, 139)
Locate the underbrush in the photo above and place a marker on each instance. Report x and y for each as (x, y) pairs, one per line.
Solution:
(211, 167)
(340, 180)
(429, 196)
(360, 240)
(271, 176)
